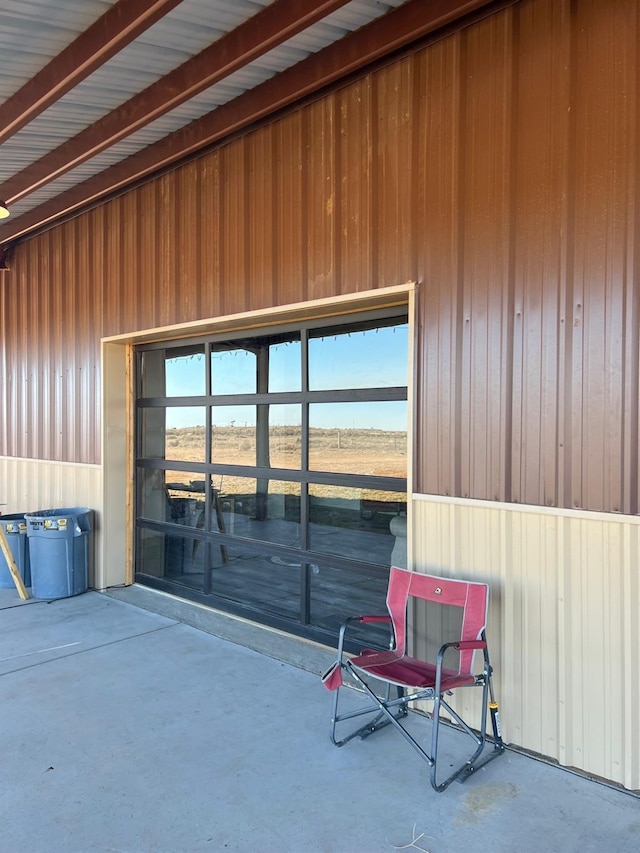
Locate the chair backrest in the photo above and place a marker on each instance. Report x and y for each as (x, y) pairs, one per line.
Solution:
(470, 597)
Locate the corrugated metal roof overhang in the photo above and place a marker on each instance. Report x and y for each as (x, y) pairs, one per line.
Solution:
(110, 93)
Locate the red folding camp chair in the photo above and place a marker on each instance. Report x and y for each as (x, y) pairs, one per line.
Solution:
(446, 604)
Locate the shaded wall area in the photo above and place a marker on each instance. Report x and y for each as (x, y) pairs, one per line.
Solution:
(497, 167)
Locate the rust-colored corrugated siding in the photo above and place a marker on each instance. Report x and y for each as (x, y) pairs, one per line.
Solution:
(51, 326)
(497, 167)
(528, 368)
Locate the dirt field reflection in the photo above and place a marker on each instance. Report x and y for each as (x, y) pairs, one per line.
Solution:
(342, 451)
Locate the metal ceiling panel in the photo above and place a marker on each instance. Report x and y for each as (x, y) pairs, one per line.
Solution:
(27, 44)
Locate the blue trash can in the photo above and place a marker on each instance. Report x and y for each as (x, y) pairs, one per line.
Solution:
(15, 529)
(59, 551)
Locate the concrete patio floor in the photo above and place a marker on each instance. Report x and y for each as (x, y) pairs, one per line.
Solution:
(125, 729)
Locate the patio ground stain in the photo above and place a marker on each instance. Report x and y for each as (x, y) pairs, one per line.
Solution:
(480, 802)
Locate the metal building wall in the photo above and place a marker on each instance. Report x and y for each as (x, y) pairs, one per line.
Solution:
(530, 309)
(499, 169)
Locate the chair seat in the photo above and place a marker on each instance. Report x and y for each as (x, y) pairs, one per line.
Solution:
(406, 671)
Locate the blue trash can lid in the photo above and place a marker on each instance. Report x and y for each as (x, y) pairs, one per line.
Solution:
(78, 517)
(65, 511)
(13, 522)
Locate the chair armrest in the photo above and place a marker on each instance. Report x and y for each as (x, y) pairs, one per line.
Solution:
(372, 618)
(460, 645)
(332, 678)
(471, 644)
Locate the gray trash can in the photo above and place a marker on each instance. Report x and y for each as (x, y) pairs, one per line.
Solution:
(15, 528)
(59, 551)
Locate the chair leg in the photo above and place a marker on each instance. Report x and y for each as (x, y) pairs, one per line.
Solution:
(383, 717)
(381, 720)
(469, 766)
(390, 711)
(472, 763)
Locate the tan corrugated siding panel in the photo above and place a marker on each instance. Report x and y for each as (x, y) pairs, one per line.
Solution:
(597, 639)
(530, 606)
(564, 623)
(29, 485)
(630, 693)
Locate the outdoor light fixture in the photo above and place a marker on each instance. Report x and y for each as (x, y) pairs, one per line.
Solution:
(4, 210)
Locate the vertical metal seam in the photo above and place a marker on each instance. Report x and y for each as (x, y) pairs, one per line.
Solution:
(338, 212)
(246, 207)
(304, 206)
(461, 91)
(196, 286)
(631, 364)
(275, 175)
(418, 473)
(373, 154)
(512, 104)
(565, 351)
